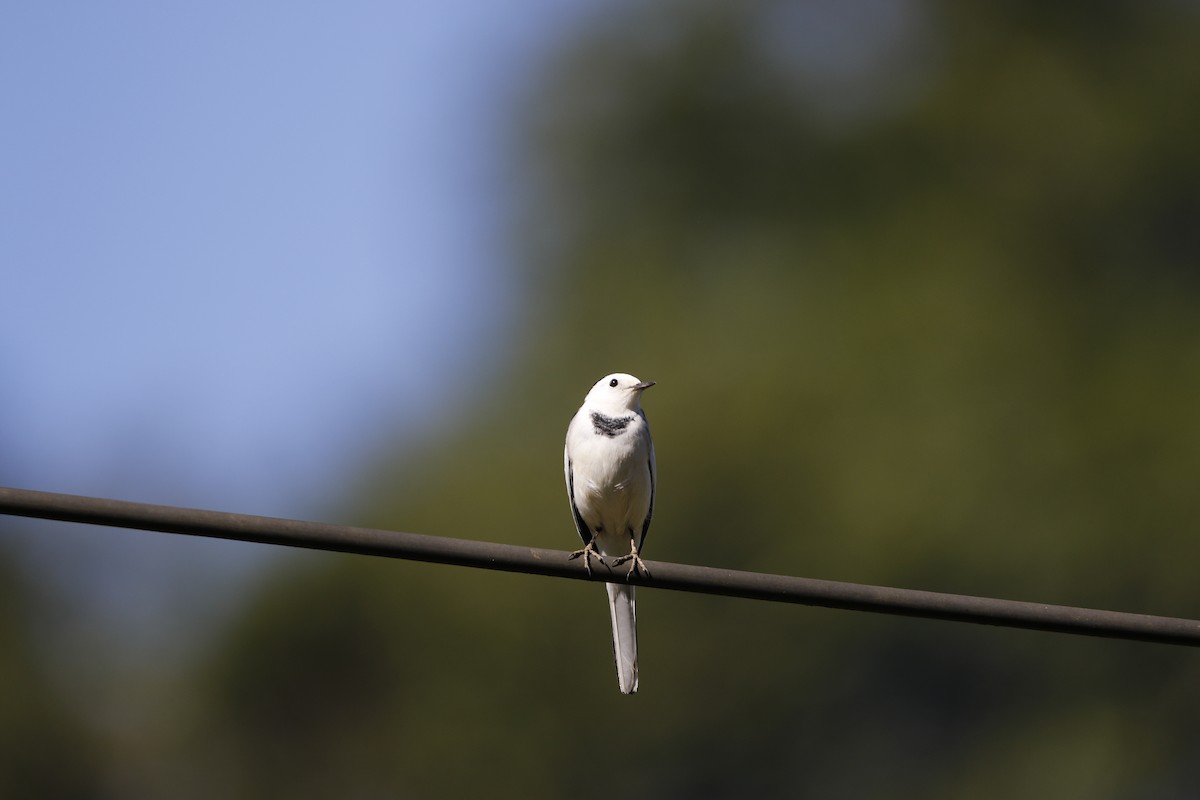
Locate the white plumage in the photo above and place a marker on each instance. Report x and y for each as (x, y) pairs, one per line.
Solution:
(609, 465)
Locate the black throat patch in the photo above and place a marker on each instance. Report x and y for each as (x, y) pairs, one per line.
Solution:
(609, 426)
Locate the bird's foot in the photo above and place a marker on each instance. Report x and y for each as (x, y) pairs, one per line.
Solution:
(637, 564)
(588, 552)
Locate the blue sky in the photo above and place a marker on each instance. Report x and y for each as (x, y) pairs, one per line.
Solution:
(245, 246)
(242, 241)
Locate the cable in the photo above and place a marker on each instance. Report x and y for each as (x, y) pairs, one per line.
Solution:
(554, 563)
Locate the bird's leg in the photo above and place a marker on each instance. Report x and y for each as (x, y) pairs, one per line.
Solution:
(588, 552)
(638, 564)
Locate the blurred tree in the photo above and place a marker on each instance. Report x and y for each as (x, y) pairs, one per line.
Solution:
(919, 288)
(46, 751)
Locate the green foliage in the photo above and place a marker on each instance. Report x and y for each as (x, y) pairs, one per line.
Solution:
(46, 750)
(945, 336)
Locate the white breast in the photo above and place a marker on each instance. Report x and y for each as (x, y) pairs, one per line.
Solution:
(612, 480)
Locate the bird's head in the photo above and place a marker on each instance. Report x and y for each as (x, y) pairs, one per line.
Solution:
(617, 393)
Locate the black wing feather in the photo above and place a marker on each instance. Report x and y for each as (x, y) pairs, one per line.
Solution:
(650, 511)
(585, 533)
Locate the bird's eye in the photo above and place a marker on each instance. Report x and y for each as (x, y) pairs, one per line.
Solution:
(613, 382)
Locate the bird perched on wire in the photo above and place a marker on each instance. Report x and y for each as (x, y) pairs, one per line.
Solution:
(610, 471)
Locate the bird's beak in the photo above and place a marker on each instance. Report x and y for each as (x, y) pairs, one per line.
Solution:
(643, 385)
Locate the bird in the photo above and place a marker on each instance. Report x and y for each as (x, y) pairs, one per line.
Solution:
(608, 461)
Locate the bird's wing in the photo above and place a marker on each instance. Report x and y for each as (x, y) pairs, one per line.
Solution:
(584, 532)
(650, 465)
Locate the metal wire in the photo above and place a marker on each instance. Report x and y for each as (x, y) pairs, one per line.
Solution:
(536, 561)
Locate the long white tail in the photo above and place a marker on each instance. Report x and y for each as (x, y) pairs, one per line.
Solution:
(624, 626)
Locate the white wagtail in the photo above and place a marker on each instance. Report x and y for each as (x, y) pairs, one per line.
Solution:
(609, 464)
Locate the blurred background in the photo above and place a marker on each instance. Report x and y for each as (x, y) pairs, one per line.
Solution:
(919, 282)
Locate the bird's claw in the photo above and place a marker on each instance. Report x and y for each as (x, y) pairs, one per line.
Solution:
(638, 565)
(588, 552)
